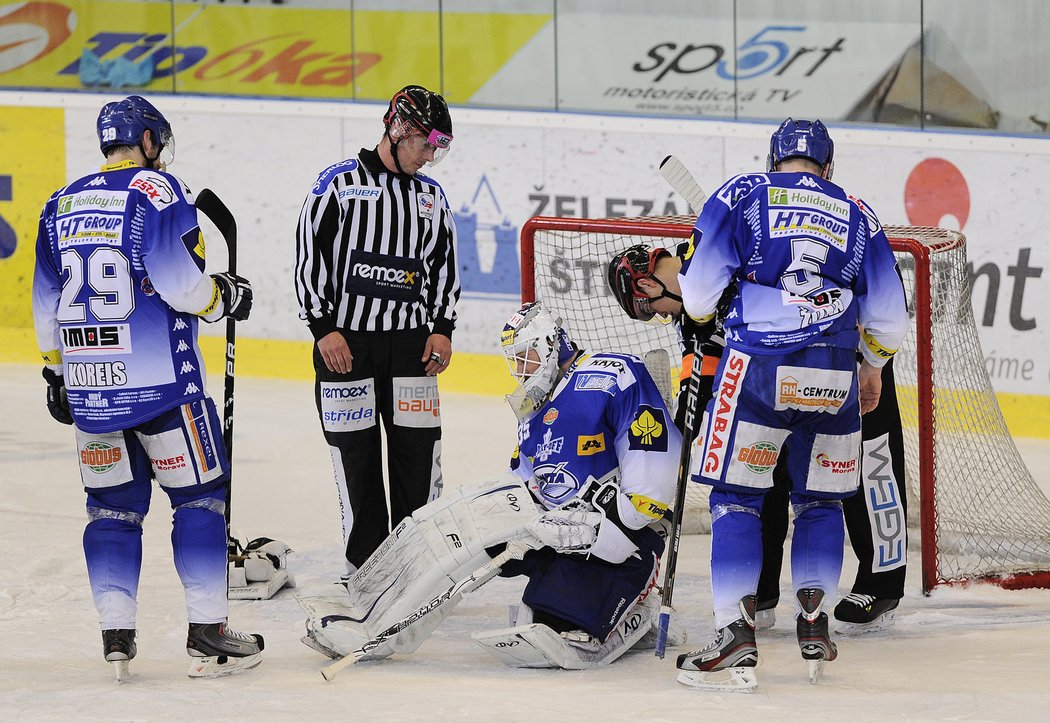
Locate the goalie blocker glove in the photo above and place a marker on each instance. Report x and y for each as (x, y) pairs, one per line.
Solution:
(57, 400)
(236, 293)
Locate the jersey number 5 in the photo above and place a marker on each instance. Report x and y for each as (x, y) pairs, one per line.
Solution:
(802, 276)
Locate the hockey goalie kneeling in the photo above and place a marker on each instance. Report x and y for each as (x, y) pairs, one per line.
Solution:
(583, 506)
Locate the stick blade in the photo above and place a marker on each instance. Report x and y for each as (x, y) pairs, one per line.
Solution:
(682, 181)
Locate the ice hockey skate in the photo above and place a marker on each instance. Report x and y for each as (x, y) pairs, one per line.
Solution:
(812, 630)
(728, 663)
(859, 614)
(118, 647)
(218, 651)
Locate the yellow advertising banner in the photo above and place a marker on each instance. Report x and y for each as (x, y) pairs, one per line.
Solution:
(32, 167)
(272, 51)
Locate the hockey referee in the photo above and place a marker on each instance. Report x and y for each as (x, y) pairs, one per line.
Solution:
(377, 284)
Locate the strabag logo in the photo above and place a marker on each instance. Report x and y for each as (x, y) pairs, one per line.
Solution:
(31, 30)
(724, 413)
(100, 457)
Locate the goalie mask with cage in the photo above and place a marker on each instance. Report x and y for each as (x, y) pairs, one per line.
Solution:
(625, 270)
(802, 139)
(535, 346)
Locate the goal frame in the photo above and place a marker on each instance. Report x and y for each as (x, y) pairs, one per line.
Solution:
(901, 242)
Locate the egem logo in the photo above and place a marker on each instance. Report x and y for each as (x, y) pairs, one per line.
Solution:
(32, 30)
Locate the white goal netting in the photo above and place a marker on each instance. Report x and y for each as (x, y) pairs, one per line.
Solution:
(978, 510)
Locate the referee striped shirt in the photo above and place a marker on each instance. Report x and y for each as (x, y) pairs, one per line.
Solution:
(375, 251)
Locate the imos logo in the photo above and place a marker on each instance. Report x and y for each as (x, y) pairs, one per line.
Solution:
(29, 31)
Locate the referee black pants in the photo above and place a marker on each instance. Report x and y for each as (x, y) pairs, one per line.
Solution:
(387, 387)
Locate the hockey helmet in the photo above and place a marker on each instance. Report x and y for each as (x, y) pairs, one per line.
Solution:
(625, 270)
(122, 123)
(415, 107)
(802, 139)
(535, 346)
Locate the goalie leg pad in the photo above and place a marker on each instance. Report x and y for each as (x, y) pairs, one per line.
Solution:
(538, 646)
(591, 594)
(443, 541)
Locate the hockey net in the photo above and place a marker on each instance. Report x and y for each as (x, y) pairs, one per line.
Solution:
(981, 515)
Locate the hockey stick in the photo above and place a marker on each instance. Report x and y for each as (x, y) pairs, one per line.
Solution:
(515, 551)
(219, 214)
(691, 396)
(678, 176)
(682, 181)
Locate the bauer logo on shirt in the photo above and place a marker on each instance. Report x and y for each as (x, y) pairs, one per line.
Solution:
(425, 204)
(366, 193)
(648, 431)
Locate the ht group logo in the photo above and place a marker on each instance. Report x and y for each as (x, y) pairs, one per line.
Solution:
(29, 31)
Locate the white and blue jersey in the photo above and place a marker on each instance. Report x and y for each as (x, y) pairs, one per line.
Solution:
(604, 417)
(117, 291)
(811, 262)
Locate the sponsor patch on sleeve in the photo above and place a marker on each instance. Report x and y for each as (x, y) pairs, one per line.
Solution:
(648, 431)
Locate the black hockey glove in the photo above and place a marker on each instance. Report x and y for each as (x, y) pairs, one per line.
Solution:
(57, 400)
(696, 336)
(236, 295)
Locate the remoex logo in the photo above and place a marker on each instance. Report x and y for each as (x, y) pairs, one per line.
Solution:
(32, 30)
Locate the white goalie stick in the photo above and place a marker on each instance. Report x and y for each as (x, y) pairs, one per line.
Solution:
(682, 181)
(515, 551)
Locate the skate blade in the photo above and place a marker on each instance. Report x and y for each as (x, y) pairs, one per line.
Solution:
(726, 680)
(883, 622)
(121, 670)
(219, 666)
(816, 670)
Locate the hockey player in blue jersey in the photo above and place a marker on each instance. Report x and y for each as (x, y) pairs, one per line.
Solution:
(584, 499)
(816, 282)
(118, 289)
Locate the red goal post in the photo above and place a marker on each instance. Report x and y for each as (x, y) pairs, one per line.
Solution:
(981, 514)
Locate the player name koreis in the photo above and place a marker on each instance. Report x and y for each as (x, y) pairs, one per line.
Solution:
(95, 374)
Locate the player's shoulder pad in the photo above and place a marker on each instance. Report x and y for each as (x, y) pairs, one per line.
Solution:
(324, 178)
(606, 372)
(740, 187)
(160, 188)
(873, 221)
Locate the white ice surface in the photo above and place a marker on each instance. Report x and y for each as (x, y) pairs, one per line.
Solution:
(962, 654)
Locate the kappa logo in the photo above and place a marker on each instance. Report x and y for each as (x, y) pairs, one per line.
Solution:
(31, 30)
(97, 181)
(807, 182)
